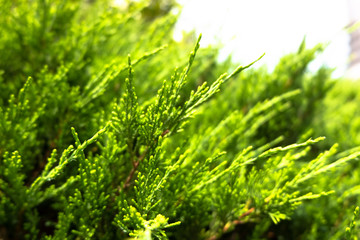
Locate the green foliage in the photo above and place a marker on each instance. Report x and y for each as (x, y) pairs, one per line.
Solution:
(119, 134)
(350, 234)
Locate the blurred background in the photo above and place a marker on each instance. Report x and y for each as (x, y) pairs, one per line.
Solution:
(247, 29)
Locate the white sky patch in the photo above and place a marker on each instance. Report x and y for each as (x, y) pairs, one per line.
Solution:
(247, 29)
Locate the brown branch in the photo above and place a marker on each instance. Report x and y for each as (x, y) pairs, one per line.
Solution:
(3, 234)
(247, 213)
(19, 233)
(238, 221)
(234, 222)
(131, 174)
(136, 164)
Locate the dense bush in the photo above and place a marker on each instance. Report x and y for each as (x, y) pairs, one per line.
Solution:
(109, 129)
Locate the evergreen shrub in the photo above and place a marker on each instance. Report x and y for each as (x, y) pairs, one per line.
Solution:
(109, 129)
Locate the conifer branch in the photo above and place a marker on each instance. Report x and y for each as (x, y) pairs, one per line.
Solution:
(167, 155)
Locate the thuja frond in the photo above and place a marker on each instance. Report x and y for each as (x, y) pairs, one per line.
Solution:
(13, 187)
(170, 154)
(164, 116)
(204, 92)
(350, 231)
(70, 154)
(111, 72)
(154, 228)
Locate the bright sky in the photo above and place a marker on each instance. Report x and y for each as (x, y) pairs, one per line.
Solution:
(249, 28)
